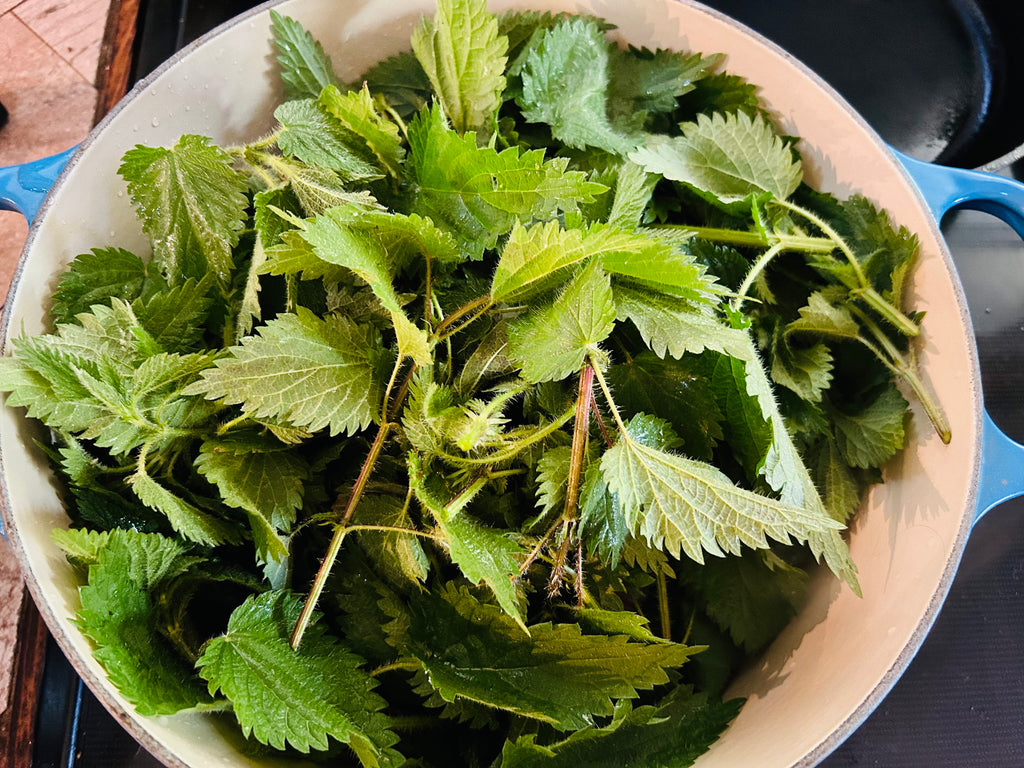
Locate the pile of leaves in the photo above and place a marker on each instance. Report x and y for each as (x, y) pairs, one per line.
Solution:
(488, 412)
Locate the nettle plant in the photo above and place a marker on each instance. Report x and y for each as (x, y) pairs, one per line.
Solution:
(426, 403)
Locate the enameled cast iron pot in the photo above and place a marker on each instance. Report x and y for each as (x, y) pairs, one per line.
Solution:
(831, 666)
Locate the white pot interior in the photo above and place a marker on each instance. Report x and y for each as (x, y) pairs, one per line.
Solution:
(831, 665)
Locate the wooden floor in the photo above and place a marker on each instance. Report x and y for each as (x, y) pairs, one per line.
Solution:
(50, 51)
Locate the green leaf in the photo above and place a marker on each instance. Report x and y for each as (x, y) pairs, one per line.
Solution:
(555, 674)
(752, 596)
(400, 79)
(872, 436)
(676, 390)
(484, 555)
(119, 616)
(840, 490)
(308, 372)
(477, 193)
(649, 82)
(748, 430)
(552, 477)
(95, 277)
(565, 85)
(633, 189)
(820, 316)
(727, 159)
(721, 92)
(296, 698)
(488, 360)
(337, 242)
(312, 135)
(319, 189)
(398, 555)
(537, 258)
(673, 734)
(185, 518)
(683, 505)
(260, 476)
(192, 205)
(464, 57)
(806, 370)
(357, 112)
(553, 342)
(175, 317)
(80, 546)
(885, 251)
(675, 326)
(602, 525)
(305, 68)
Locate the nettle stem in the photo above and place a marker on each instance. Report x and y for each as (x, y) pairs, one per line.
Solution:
(891, 357)
(339, 536)
(479, 306)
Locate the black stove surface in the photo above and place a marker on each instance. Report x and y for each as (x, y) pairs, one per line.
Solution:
(936, 80)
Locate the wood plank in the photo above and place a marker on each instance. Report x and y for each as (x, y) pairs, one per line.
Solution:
(116, 55)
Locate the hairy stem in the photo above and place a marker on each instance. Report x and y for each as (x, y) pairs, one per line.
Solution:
(478, 305)
(663, 612)
(757, 269)
(339, 536)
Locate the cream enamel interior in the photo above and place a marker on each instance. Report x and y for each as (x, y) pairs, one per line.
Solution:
(828, 669)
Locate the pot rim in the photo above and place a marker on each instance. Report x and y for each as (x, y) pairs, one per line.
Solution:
(100, 685)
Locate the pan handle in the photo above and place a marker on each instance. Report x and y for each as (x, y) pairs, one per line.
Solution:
(23, 187)
(944, 188)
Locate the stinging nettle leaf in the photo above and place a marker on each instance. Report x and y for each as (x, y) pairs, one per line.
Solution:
(683, 505)
(727, 159)
(555, 674)
(309, 372)
(477, 193)
(192, 205)
(464, 57)
(296, 697)
(553, 342)
(95, 277)
(565, 82)
(305, 68)
(311, 135)
(357, 112)
(119, 615)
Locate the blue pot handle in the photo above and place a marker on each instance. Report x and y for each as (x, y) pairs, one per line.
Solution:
(1002, 459)
(23, 187)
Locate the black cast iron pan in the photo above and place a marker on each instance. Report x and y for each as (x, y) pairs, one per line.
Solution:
(941, 80)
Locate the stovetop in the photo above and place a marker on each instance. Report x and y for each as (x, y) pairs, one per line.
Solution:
(916, 77)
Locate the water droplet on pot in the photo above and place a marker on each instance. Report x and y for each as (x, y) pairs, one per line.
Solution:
(155, 123)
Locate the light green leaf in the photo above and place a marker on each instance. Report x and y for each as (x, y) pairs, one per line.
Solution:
(298, 698)
(119, 615)
(185, 518)
(356, 111)
(175, 317)
(683, 505)
(308, 372)
(305, 68)
(553, 342)
(336, 241)
(633, 189)
(565, 82)
(675, 326)
(555, 674)
(464, 57)
(820, 316)
(477, 193)
(727, 159)
(192, 205)
(552, 477)
(311, 135)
